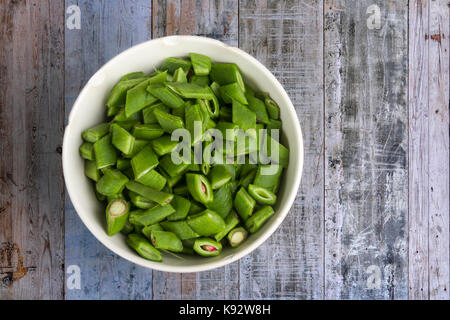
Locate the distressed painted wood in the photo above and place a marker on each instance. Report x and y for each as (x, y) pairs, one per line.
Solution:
(31, 128)
(371, 218)
(366, 143)
(429, 150)
(418, 142)
(439, 164)
(218, 20)
(107, 28)
(286, 36)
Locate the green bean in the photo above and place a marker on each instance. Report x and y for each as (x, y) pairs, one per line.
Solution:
(138, 98)
(272, 108)
(262, 195)
(283, 153)
(243, 116)
(140, 202)
(87, 151)
(166, 240)
(215, 111)
(199, 187)
(259, 108)
(168, 121)
(229, 130)
(153, 179)
(172, 64)
(195, 208)
(171, 181)
(137, 147)
(116, 216)
(111, 183)
(143, 247)
(206, 223)
(147, 131)
(205, 167)
(147, 113)
(190, 90)
(144, 161)
(147, 231)
(226, 73)
(246, 180)
(111, 112)
(152, 215)
(201, 81)
(121, 139)
(231, 221)
(244, 204)
(265, 180)
(133, 75)
(99, 196)
(219, 175)
(246, 168)
(168, 97)
(118, 196)
(127, 228)
(90, 170)
(181, 206)
(237, 236)
(193, 116)
(180, 228)
(200, 63)
(273, 125)
(255, 222)
(231, 92)
(118, 94)
(223, 201)
(171, 168)
(207, 247)
(179, 75)
(95, 133)
(163, 198)
(121, 117)
(105, 154)
(181, 190)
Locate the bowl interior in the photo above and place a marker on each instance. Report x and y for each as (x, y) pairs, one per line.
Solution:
(89, 109)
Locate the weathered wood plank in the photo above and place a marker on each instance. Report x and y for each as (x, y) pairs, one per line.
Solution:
(439, 165)
(366, 171)
(31, 126)
(218, 20)
(429, 150)
(107, 28)
(213, 19)
(286, 36)
(418, 153)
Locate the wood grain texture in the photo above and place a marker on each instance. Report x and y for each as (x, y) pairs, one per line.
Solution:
(107, 28)
(439, 163)
(366, 165)
(429, 150)
(286, 36)
(31, 127)
(218, 20)
(418, 141)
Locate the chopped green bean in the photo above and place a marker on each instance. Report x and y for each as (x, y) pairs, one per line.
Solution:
(143, 247)
(87, 151)
(255, 222)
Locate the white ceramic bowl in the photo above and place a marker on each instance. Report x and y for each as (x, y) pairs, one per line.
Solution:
(89, 109)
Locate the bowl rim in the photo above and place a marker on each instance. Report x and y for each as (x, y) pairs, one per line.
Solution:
(263, 236)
